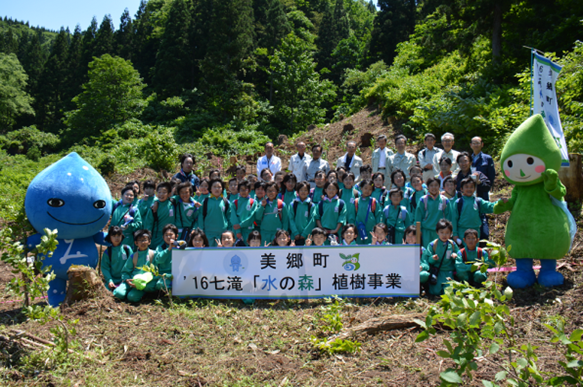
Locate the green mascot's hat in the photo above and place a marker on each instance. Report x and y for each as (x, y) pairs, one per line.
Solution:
(533, 138)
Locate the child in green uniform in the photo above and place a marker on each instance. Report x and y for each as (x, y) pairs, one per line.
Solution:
(227, 239)
(240, 172)
(380, 191)
(301, 219)
(254, 239)
(233, 190)
(243, 212)
(469, 255)
(398, 179)
(468, 210)
(441, 254)
(288, 188)
(114, 258)
(349, 235)
(430, 209)
(318, 237)
(214, 218)
(419, 192)
(252, 179)
(272, 213)
(163, 256)
(202, 192)
(162, 213)
(365, 174)
(411, 239)
(317, 192)
(198, 239)
(186, 210)
(126, 215)
(341, 172)
(330, 213)
(278, 178)
(259, 196)
(349, 195)
(396, 217)
(145, 203)
(449, 189)
(368, 212)
(379, 235)
(282, 239)
(143, 256)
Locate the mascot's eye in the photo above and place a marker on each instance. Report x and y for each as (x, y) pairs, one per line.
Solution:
(99, 204)
(530, 161)
(509, 163)
(56, 202)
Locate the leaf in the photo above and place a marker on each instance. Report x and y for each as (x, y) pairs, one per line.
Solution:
(422, 336)
(575, 364)
(451, 376)
(500, 376)
(494, 348)
(508, 292)
(421, 323)
(475, 318)
(443, 354)
(576, 335)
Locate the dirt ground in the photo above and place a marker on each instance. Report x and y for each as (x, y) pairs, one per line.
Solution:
(226, 343)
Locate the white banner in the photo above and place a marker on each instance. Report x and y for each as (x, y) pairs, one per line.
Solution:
(297, 272)
(545, 100)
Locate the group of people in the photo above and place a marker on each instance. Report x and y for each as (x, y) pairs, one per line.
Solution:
(311, 204)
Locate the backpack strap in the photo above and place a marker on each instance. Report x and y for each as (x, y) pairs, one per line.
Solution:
(459, 204)
(236, 204)
(480, 252)
(464, 255)
(205, 205)
(403, 213)
(127, 250)
(116, 205)
(151, 254)
(108, 251)
(279, 208)
(321, 208)
(135, 259)
(356, 205)
(311, 195)
(295, 205)
(227, 205)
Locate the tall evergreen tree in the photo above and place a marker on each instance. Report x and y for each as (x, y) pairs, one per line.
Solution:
(8, 42)
(145, 44)
(104, 41)
(88, 47)
(277, 26)
(14, 100)
(124, 36)
(76, 69)
(341, 22)
(174, 61)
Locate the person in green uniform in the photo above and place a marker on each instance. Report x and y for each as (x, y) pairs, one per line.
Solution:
(441, 253)
(126, 215)
(114, 258)
(202, 191)
(396, 217)
(301, 214)
(379, 235)
(233, 190)
(341, 172)
(288, 188)
(317, 192)
(411, 239)
(380, 191)
(468, 210)
(214, 218)
(430, 209)
(243, 212)
(136, 188)
(145, 203)
(349, 195)
(163, 257)
(330, 213)
(272, 213)
(252, 179)
(419, 192)
(399, 179)
(468, 256)
(348, 235)
(367, 212)
(198, 239)
(161, 214)
(143, 256)
(185, 209)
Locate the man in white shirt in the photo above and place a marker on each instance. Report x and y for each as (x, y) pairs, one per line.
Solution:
(268, 161)
(401, 160)
(447, 140)
(350, 161)
(315, 165)
(298, 163)
(380, 157)
(426, 155)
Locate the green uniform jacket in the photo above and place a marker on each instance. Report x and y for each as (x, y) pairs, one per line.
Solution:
(145, 257)
(331, 213)
(289, 197)
(448, 265)
(144, 205)
(348, 196)
(379, 195)
(243, 214)
(470, 216)
(217, 217)
(464, 269)
(415, 201)
(163, 259)
(374, 217)
(271, 218)
(118, 219)
(112, 266)
(200, 198)
(165, 215)
(232, 197)
(436, 209)
(316, 194)
(393, 217)
(185, 213)
(408, 194)
(301, 222)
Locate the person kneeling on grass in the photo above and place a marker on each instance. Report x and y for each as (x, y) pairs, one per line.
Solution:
(441, 254)
(114, 258)
(468, 256)
(143, 256)
(163, 257)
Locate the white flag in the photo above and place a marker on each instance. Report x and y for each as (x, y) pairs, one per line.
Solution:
(545, 100)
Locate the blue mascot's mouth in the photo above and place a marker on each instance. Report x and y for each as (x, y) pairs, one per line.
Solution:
(75, 224)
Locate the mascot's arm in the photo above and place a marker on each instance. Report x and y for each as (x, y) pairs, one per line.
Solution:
(553, 185)
(501, 207)
(99, 238)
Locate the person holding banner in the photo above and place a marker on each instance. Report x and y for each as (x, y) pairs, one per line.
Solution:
(331, 211)
(349, 235)
(163, 257)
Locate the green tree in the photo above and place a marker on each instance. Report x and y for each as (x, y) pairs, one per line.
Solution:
(146, 44)
(298, 90)
(75, 69)
(14, 100)
(124, 36)
(112, 95)
(104, 41)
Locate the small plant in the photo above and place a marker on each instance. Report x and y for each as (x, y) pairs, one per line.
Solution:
(573, 366)
(330, 319)
(151, 268)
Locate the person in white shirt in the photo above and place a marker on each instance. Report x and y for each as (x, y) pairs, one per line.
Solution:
(299, 162)
(268, 161)
(401, 160)
(380, 157)
(350, 161)
(426, 155)
(447, 140)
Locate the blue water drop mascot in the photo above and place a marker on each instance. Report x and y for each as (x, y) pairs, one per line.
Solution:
(72, 197)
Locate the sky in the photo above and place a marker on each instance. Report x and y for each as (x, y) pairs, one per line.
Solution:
(54, 14)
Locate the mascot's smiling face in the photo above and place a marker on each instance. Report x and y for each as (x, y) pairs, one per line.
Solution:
(70, 196)
(529, 151)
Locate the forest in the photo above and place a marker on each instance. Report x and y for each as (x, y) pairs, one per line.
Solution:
(193, 75)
